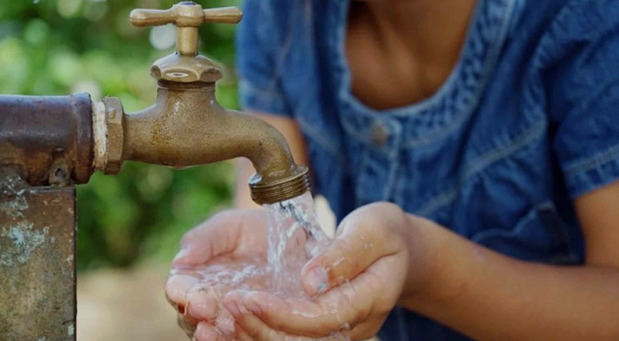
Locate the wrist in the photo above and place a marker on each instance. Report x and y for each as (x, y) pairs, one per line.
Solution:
(421, 240)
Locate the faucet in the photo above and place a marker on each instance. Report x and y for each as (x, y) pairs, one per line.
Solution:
(186, 126)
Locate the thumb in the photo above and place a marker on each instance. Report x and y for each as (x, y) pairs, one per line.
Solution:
(358, 246)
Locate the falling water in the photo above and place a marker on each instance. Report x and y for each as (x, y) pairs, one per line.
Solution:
(294, 237)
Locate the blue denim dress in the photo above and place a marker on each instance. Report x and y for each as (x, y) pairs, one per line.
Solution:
(527, 121)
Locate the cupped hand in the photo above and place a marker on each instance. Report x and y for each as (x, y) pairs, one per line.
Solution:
(204, 270)
(353, 284)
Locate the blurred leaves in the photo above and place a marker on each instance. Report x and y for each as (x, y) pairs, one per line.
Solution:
(144, 210)
(50, 47)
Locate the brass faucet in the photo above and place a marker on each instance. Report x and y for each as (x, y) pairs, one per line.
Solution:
(186, 126)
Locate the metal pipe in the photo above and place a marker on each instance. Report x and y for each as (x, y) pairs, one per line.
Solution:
(47, 139)
(37, 260)
(186, 126)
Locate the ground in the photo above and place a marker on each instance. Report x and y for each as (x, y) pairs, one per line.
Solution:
(125, 305)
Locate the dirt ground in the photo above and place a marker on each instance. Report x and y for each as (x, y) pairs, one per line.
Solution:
(125, 305)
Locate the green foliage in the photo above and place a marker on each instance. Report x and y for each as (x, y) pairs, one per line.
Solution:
(50, 47)
(144, 210)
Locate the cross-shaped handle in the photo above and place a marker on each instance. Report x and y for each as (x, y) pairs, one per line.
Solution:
(187, 16)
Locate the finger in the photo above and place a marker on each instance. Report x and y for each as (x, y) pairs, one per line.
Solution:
(176, 290)
(249, 327)
(245, 327)
(187, 324)
(202, 303)
(206, 332)
(366, 330)
(309, 318)
(343, 307)
(293, 316)
(357, 247)
(214, 237)
(225, 323)
(241, 335)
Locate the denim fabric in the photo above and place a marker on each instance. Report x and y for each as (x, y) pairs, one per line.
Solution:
(527, 121)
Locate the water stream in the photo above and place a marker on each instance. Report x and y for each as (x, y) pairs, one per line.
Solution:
(293, 237)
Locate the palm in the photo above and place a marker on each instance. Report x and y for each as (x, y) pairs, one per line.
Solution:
(229, 253)
(225, 253)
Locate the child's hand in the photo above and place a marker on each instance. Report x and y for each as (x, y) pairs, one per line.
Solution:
(235, 236)
(357, 281)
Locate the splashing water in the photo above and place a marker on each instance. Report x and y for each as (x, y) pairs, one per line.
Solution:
(293, 237)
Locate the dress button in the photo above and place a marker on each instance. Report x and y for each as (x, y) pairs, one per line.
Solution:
(379, 134)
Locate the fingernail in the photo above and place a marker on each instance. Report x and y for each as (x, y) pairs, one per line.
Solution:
(316, 280)
(252, 306)
(181, 254)
(233, 308)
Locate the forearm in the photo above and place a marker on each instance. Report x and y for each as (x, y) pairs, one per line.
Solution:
(490, 296)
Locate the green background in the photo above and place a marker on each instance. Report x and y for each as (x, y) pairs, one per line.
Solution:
(57, 47)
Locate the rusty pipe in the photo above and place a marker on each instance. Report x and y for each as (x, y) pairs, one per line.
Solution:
(186, 126)
(47, 139)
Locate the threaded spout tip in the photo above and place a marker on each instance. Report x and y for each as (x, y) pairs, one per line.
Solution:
(282, 189)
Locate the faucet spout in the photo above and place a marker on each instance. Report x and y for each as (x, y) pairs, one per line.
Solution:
(186, 126)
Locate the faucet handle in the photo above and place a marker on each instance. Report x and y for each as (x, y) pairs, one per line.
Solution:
(187, 9)
(187, 16)
(185, 13)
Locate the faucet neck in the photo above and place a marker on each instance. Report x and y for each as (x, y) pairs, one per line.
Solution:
(186, 126)
(202, 88)
(196, 93)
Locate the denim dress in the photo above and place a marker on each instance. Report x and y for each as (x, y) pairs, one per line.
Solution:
(527, 121)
